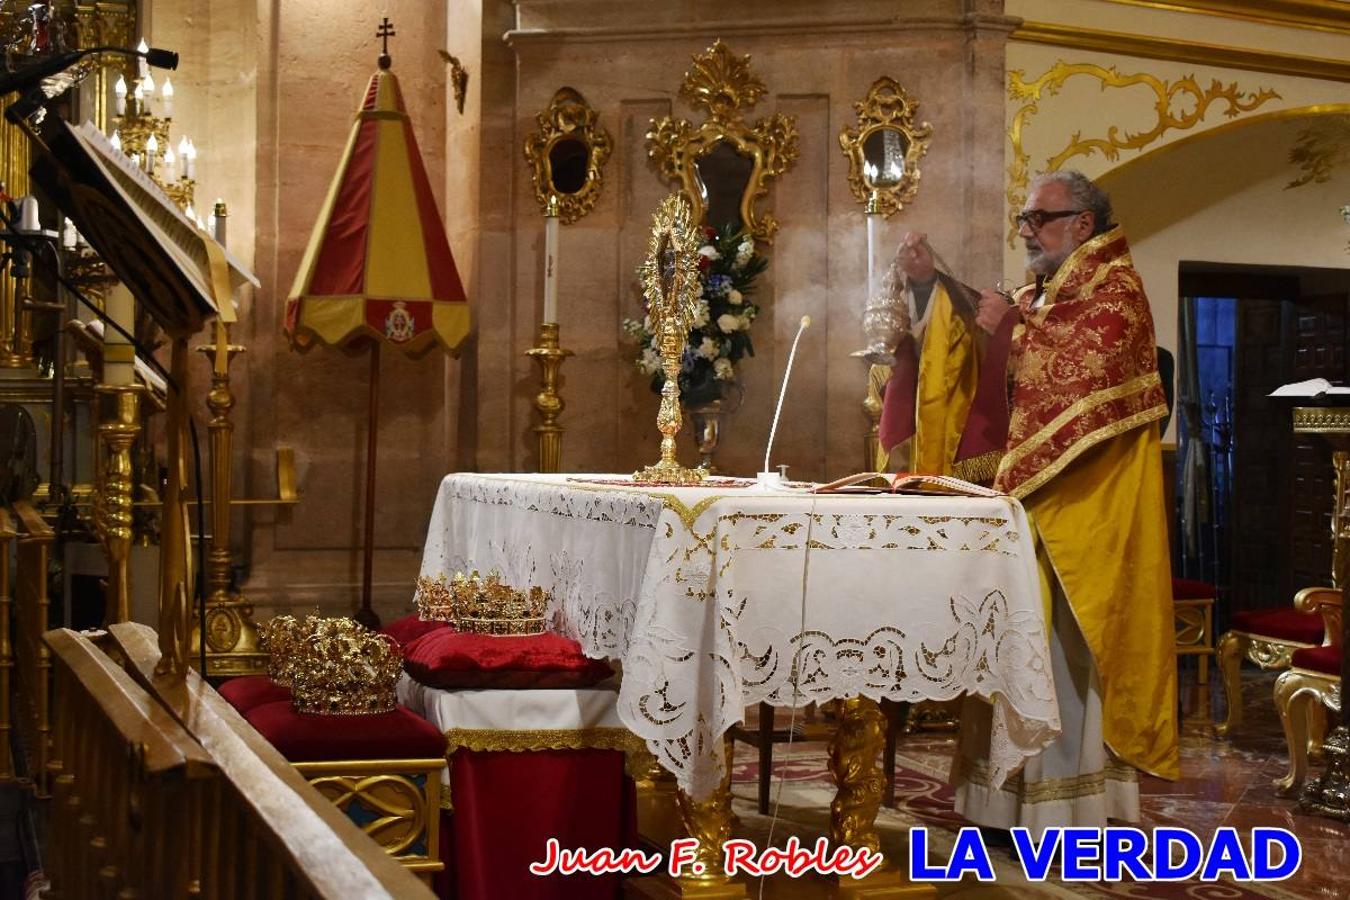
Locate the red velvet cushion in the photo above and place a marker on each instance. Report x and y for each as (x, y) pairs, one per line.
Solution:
(1319, 659)
(1186, 589)
(250, 691)
(1284, 622)
(451, 659)
(302, 737)
(409, 628)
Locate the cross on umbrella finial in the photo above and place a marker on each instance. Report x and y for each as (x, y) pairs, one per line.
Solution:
(385, 32)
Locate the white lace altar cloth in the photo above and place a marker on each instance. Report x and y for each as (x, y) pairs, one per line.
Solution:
(707, 595)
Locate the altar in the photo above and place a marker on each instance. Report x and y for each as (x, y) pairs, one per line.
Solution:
(716, 597)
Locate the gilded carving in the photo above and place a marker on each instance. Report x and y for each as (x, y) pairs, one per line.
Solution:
(394, 806)
(724, 85)
(568, 120)
(1178, 105)
(886, 110)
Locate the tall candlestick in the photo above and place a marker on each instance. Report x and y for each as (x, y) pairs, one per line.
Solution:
(551, 260)
(119, 358)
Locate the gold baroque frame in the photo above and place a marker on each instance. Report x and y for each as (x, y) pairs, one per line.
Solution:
(723, 85)
(885, 108)
(568, 117)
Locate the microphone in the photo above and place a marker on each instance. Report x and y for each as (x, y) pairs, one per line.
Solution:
(766, 478)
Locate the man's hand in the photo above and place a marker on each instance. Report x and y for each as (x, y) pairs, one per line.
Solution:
(915, 259)
(993, 307)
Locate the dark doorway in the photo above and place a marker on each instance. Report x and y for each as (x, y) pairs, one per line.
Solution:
(1254, 502)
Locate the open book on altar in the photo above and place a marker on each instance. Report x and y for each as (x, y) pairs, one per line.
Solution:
(904, 483)
(170, 265)
(1313, 387)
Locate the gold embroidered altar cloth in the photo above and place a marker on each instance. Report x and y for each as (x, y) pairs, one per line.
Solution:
(706, 595)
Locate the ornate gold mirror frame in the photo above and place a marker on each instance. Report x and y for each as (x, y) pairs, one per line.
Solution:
(671, 285)
(885, 108)
(569, 118)
(724, 85)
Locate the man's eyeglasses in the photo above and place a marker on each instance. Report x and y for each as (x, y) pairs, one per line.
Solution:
(1035, 219)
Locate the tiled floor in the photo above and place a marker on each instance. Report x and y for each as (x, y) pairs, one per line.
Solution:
(1223, 783)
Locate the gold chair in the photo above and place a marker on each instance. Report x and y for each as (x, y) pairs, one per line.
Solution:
(1193, 607)
(1312, 684)
(1268, 637)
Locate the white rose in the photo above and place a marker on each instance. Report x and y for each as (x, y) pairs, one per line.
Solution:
(702, 314)
(650, 362)
(734, 297)
(707, 348)
(722, 369)
(728, 323)
(711, 252)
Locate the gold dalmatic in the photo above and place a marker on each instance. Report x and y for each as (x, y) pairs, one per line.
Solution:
(671, 285)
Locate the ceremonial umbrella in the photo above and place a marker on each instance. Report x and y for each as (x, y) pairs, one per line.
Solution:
(378, 268)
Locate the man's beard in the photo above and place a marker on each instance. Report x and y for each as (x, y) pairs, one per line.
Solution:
(1042, 263)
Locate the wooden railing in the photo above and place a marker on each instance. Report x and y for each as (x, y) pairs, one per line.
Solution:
(162, 790)
(34, 664)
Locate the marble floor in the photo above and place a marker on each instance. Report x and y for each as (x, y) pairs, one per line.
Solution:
(1224, 782)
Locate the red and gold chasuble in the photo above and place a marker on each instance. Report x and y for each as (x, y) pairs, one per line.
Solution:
(1083, 455)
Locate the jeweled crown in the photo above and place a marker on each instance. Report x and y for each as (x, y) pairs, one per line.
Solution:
(333, 666)
(482, 605)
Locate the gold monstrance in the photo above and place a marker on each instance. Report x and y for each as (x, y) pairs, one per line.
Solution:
(671, 285)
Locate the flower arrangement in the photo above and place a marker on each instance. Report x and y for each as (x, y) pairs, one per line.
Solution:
(720, 335)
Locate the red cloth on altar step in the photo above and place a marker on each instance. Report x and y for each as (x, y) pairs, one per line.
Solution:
(247, 692)
(506, 807)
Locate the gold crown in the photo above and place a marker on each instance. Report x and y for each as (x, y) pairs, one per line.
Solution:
(482, 605)
(281, 637)
(343, 669)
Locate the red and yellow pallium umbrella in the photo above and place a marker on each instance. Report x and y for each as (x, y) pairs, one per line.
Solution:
(378, 266)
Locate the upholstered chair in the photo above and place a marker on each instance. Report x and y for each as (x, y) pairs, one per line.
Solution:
(1312, 684)
(1267, 637)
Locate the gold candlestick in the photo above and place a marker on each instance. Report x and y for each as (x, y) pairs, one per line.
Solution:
(549, 355)
(114, 492)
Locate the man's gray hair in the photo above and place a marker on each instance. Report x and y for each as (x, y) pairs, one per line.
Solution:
(1085, 193)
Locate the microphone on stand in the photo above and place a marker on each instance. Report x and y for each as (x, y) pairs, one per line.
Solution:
(767, 480)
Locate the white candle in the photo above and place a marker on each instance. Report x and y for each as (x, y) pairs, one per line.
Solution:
(166, 93)
(68, 235)
(29, 222)
(116, 141)
(873, 222)
(119, 366)
(170, 163)
(151, 153)
(190, 160)
(551, 267)
(142, 67)
(138, 98)
(120, 95)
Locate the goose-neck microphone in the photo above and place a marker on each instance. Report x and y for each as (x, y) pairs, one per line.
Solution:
(767, 477)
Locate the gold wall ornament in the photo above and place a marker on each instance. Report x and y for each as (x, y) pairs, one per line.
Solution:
(1171, 114)
(724, 86)
(670, 283)
(567, 155)
(1321, 148)
(459, 79)
(884, 148)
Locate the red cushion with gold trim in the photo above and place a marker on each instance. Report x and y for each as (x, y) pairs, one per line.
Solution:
(302, 737)
(250, 691)
(1326, 660)
(451, 659)
(1188, 589)
(409, 628)
(1284, 623)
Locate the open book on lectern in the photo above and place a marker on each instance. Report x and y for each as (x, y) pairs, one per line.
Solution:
(171, 266)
